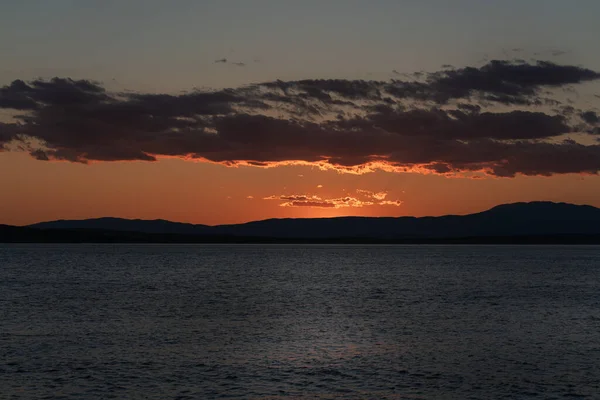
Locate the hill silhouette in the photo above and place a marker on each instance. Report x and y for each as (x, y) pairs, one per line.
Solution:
(540, 220)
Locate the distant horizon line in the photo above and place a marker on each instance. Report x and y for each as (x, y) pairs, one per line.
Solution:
(304, 218)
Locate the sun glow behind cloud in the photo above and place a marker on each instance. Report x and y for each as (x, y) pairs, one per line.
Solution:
(315, 201)
(501, 119)
(324, 132)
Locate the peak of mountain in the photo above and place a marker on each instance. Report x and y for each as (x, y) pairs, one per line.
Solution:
(544, 210)
(540, 205)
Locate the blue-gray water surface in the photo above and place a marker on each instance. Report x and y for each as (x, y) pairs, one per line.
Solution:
(299, 322)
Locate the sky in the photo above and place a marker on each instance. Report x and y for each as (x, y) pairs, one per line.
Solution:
(224, 111)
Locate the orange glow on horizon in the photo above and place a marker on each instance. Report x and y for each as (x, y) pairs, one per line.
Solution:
(210, 193)
(478, 172)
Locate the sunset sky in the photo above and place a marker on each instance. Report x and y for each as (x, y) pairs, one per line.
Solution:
(230, 111)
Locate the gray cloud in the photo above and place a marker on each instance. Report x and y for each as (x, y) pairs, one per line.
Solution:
(590, 117)
(9, 132)
(55, 92)
(441, 124)
(506, 82)
(457, 124)
(503, 82)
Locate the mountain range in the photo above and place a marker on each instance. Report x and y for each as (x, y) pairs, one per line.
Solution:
(517, 222)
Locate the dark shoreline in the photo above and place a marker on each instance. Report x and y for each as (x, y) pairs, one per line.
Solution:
(11, 234)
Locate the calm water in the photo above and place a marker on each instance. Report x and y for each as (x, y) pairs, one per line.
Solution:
(302, 322)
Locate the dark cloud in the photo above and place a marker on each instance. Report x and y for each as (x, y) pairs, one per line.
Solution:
(323, 89)
(457, 124)
(590, 117)
(225, 61)
(8, 133)
(39, 154)
(441, 124)
(185, 105)
(547, 159)
(505, 82)
(57, 92)
(15, 96)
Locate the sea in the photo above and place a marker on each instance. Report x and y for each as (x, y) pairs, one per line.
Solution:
(137, 321)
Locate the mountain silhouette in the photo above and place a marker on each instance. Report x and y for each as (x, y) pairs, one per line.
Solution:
(127, 225)
(535, 219)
